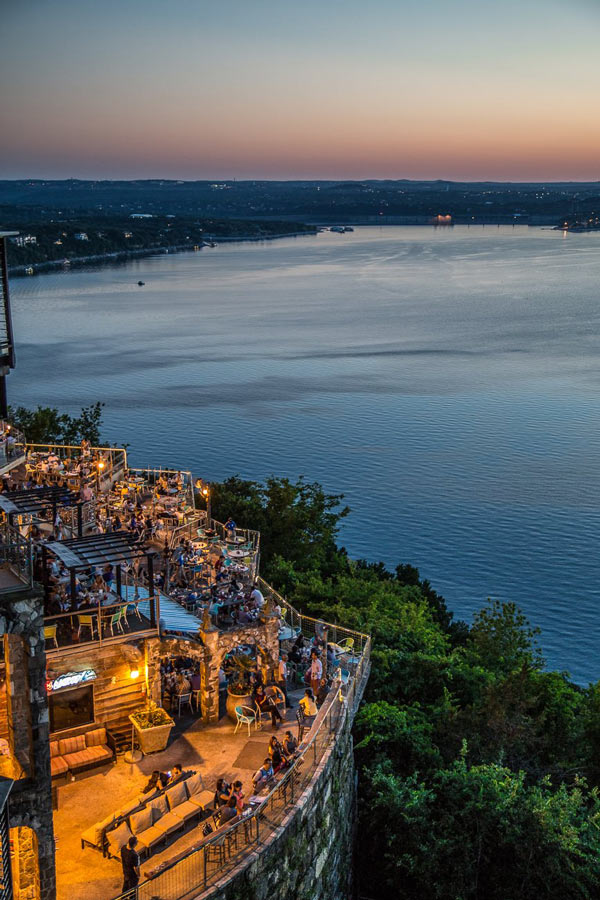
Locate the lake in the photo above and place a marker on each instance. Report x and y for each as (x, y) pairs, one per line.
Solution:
(446, 381)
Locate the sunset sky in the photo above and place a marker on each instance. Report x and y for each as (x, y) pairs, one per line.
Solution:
(467, 90)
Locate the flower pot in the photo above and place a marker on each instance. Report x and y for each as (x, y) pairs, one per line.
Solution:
(234, 700)
(152, 740)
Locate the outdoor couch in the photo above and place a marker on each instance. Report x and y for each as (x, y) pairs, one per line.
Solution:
(152, 818)
(85, 751)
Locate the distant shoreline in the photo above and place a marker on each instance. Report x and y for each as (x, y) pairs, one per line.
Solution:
(80, 262)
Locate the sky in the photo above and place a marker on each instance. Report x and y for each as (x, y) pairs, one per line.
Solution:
(275, 89)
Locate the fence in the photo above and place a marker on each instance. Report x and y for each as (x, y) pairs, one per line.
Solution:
(12, 445)
(215, 857)
(16, 556)
(113, 460)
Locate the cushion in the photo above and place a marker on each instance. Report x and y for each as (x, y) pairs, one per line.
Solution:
(94, 834)
(71, 745)
(164, 826)
(117, 838)
(141, 820)
(96, 738)
(204, 799)
(176, 795)
(58, 766)
(186, 810)
(195, 784)
(87, 757)
(133, 805)
(159, 804)
(54, 751)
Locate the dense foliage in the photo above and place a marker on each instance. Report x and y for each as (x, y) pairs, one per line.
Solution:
(478, 768)
(46, 425)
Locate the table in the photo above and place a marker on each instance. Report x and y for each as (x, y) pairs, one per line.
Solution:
(237, 554)
(234, 540)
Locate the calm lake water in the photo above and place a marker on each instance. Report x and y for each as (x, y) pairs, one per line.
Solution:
(447, 381)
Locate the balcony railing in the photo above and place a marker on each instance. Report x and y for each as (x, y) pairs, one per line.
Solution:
(16, 561)
(114, 623)
(114, 460)
(12, 446)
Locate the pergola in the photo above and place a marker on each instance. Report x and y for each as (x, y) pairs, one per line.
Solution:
(35, 501)
(117, 548)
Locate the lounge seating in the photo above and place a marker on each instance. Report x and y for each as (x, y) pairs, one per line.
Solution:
(85, 751)
(151, 819)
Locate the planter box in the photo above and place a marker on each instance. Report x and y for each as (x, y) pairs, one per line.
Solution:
(152, 740)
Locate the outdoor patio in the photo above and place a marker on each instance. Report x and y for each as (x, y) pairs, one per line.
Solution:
(214, 751)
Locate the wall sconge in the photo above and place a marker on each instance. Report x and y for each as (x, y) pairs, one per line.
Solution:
(134, 673)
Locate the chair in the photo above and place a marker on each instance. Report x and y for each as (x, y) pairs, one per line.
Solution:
(50, 634)
(196, 698)
(346, 645)
(114, 621)
(245, 716)
(133, 607)
(184, 700)
(85, 621)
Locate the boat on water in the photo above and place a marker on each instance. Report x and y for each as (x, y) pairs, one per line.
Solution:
(141, 283)
(341, 229)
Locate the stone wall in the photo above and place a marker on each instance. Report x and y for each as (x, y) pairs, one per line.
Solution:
(30, 804)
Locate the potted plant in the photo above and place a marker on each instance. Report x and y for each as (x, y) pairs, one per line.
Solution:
(239, 690)
(153, 726)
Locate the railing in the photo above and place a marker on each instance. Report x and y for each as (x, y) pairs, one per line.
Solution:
(72, 632)
(151, 475)
(114, 459)
(16, 556)
(12, 444)
(215, 857)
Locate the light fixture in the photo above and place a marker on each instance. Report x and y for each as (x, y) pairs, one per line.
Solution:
(134, 673)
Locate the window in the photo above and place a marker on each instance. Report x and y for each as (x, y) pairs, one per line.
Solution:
(68, 709)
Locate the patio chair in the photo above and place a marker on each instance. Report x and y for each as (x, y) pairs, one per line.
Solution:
(114, 621)
(246, 716)
(347, 645)
(184, 700)
(50, 634)
(85, 621)
(133, 607)
(123, 615)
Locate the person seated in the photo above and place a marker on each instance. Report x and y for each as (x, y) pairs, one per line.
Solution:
(158, 781)
(228, 812)
(322, 692)
(267, 705)
(277, 755)
(260, 778)
(175, 775)
(307, 704)
(222, 793)
(195, 680)
(290, 744)
(238, 793)
(182, 685)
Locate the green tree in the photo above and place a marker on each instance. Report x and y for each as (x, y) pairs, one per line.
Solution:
(46, 425)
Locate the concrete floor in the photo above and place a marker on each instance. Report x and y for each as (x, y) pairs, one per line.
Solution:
(86, 874)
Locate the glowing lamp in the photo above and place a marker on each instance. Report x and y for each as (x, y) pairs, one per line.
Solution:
(134, 673)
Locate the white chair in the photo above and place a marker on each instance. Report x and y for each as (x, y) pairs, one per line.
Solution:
(245, 716)
(184, 700)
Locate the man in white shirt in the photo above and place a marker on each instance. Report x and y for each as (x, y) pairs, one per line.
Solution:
(257, 598)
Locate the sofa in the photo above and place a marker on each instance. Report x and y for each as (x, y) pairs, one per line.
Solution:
(151, 818)
(74, 754)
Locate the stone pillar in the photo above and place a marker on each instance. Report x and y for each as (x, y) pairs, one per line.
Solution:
(18, 702)
(26, 870)
(209, 673)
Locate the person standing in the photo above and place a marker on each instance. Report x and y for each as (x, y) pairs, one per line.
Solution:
(282, 678)
(130, 860)
(316, 672)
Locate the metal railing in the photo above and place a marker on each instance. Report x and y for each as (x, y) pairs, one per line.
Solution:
(16, 555)
(152, 475)
(12, 445)
(214, 858)
(113, 458)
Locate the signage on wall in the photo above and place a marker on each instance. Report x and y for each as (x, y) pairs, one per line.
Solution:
(70, 679)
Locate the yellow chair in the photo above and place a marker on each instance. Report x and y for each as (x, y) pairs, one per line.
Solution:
(50, 634)
(85, 621)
